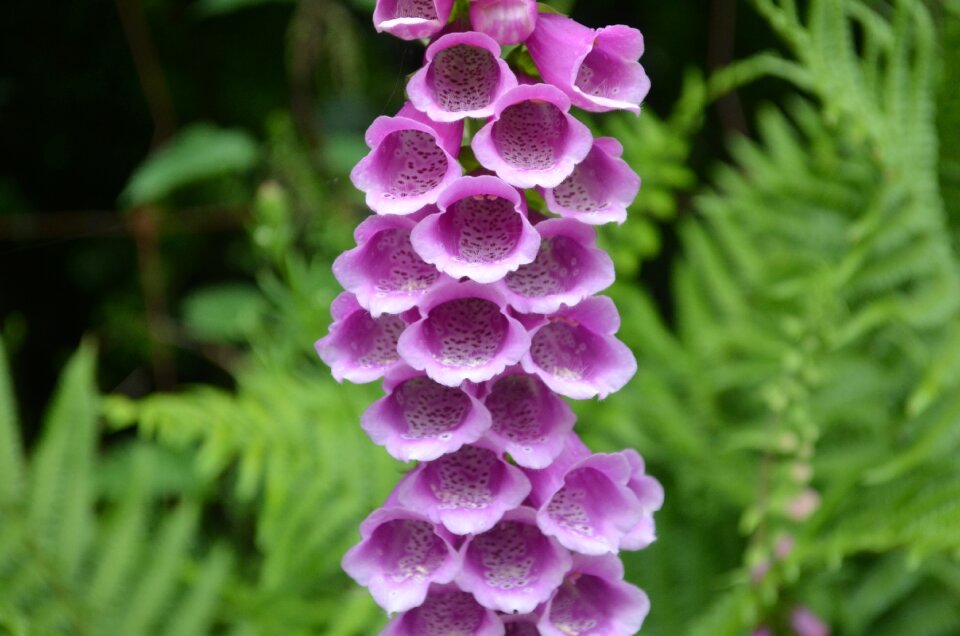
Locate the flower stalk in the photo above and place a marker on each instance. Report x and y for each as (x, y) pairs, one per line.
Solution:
(481, 314)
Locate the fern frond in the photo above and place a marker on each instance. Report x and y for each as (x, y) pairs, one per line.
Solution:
(61, 475)
(11, 451)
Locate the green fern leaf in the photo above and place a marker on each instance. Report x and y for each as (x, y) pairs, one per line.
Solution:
(11, 452)
(61, 495)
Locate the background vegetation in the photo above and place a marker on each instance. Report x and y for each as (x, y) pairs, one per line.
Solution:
(173, 186)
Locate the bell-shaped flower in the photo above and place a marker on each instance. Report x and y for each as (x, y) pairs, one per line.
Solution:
(569, 267)
(599, 189)
(598, 69)
(419, 419)
(480, 232)
(589, 507)
(513, 567)
(359, 347)
(529, 421)
(465, 333)
(447, 611)
(649, 493)
(383, 271)
(400, 554)
(594, 599)
(463, 76)
(521, 624)
(547, 481)
(411, 160)
(532, 139)
(411, 19)
(576, 353)
(467, 491)
(506, 21)
(805, 623)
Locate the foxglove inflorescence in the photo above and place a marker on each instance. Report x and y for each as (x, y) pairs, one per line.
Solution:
(479, 313)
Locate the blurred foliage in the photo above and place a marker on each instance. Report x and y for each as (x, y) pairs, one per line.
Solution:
(798, 390)
(198, 152)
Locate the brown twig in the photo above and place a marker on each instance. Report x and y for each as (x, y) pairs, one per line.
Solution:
(720, 41)
(78, 224)
(149, 71)
(145, 230)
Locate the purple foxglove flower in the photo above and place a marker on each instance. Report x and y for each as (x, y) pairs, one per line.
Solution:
(575, 352)
(568, 268)
(359, 347)
(411, 19)
(530, 422)
(649, 493)
(547, 481)
(467, 491)
(591, 507)
(463, 77)
(421, 420)
(513, 567)
(400, 554)
(446, 612)
(481, 231)
(383, 271)
(532, 139)
(599, 189)
(506, 21)
(464, 334)
(411, 161)
(594, 599)
(806, 623)
(521, 624)
(597, 68)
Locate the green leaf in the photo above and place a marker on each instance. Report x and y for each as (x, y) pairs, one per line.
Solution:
(229, 312)
(543, 7)
(198, 152)
(161, 572)
(11, 452)
(343, 150)
(61, 477)
(195, 613)
(731, 615)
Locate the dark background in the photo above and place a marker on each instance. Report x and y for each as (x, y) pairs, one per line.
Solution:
(88, 89)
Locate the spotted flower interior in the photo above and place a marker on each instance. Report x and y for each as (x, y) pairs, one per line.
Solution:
(467, 491)
(475, 301)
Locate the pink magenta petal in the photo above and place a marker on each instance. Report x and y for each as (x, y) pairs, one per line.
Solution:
(446, 611)
(467, 491)
(513, 567)
(463, 76)
(384, 272)
(506, 21)
(411, 19)
(420, 419)
(568, 268)
(401, 553)
(600, 188)
(359, 347)
(481, 231)
(411, 161)
(521, 624)
(649, 492)
(464, 334)
(594, 508)
(576, 354)
(598, 69)
(532, 139)
(529, 421)
(594, 598)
